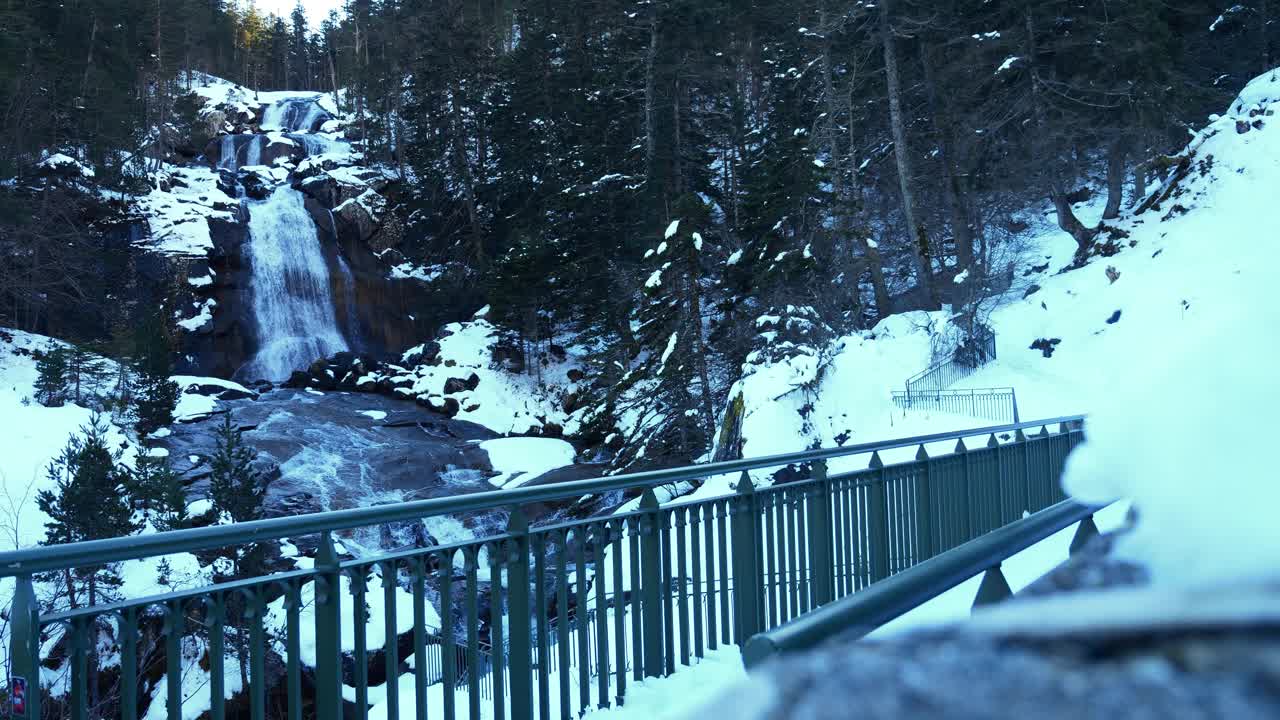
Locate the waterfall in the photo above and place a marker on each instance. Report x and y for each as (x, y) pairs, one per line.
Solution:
(294, 115)
(228, 159)
(292, 298)
(320, 144)
(233, 145)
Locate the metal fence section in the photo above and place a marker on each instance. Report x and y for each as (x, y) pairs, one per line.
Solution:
(854, 617)
(995, 404)
(543, 621)
(977, 351)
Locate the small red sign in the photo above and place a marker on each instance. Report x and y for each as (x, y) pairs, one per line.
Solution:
(18, 696)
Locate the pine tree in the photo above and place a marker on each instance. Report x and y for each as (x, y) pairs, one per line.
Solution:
(155, 396)
(236, 487)
(89, 501)
(669, 383)
(51, 375)
(85, 373)
(161, 492)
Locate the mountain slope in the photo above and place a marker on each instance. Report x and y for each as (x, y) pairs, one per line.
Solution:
(1199, 248)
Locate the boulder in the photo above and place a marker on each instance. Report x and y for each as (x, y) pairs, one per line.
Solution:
(256, 185)
(360, 216)
(451, 407)
(429, 354)
(322, 187)
(279, 146)
(508, 357)
(455, 385)
(211, 122)
(227, 183)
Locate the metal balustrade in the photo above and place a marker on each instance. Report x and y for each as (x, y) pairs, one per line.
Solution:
(659, 586)
(854, 617)
(977, 351)
(995, 404)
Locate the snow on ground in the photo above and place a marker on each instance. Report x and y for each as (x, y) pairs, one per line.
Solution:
(1180, 269)
(218, 91)
(521, 459)
(179, 217)
(33, 436)
(682, 694)
(504, 402)
(1188, 438)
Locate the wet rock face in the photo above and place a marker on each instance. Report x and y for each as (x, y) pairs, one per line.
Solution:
(1232, 673)
(322, 452)
(228, 343)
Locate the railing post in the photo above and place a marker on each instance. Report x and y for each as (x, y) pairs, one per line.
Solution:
(994, 588)
(24, 651)
(651, 585)
(746, 580)
(521, 652)
(966, 490)
(924, 507)
(1086, 531)
(1020, 438)
(822, 567)
(878, 503)
(328, 613)
(1001, 492)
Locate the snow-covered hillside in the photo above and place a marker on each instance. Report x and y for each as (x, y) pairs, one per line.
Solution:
(33, 436)
(1197, 252)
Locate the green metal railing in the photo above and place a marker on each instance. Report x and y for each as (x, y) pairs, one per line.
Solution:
(995, 404)
(552, 619)
(854, 617)
(978, 350)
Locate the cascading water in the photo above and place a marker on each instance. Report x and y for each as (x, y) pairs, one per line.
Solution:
(292, 296)
(300, 115)
(292, 293)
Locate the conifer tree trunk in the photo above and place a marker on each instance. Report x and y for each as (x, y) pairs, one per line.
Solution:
(957, 195)
(650, 88)
(700, 344)
(1067, 220)
(1117, 154)
(902, 154)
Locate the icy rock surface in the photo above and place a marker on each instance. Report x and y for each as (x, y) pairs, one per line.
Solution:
(1092, 639)
(1212, 673)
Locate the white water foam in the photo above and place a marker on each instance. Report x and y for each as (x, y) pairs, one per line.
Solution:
(292, 296)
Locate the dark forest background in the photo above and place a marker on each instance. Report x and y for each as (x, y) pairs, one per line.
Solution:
(827, 161)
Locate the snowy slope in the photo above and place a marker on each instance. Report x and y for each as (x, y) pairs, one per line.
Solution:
(33, 436)
(1183, 266)
(505, 402)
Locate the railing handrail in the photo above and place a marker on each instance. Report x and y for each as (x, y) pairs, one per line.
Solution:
(858, 614)
(984, 335)
(47, 558)
(958, 391)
